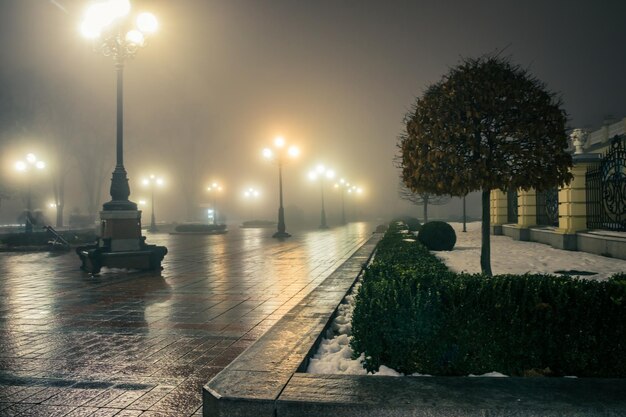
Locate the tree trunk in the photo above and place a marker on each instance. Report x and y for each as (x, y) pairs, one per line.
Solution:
(464, 217)
(485, 250)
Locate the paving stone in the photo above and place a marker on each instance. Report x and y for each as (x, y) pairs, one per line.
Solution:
(88, 335)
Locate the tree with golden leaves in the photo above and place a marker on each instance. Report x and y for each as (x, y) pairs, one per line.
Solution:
(488, 124)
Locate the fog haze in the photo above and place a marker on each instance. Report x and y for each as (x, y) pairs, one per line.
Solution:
(221, 79)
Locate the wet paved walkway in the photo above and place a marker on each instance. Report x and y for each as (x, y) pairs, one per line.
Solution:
(130, 344)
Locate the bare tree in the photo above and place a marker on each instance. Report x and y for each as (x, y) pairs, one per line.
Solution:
(422, 199)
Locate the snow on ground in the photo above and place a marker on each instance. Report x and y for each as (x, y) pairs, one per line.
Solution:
(508, 256)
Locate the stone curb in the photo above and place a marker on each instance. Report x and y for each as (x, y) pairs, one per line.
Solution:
(252, 383)
(264, 381)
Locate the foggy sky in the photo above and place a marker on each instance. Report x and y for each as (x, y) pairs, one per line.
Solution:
(222, 78)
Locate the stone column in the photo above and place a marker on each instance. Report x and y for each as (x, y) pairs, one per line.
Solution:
(573, 197)
(526, 214)
(498, 211)
(527, 208)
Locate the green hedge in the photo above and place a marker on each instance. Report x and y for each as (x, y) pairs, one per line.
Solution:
(414, 315)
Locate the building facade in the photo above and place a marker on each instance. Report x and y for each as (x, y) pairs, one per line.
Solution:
(589, 214)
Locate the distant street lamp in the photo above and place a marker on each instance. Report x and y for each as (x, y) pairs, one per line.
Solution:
(108, 24)
(322, 172)
(341, 186)
(152, 181)
(354, 191)
(251, 194)
(214, 189)
(31, 163)
(279, 156)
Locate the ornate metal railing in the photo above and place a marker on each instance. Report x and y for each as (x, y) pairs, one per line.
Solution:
(548, 207)
(606, 189)
(511, 206)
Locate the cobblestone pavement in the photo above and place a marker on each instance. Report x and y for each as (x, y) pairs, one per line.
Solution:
(130, 344)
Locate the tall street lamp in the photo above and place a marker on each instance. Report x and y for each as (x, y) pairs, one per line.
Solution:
(109, 25)
(278, 155)
(25, 166)
(117, 33)
(214, 189)
(322, 172)
(152, 181)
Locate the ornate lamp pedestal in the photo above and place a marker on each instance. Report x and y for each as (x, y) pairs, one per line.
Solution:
(121, 244)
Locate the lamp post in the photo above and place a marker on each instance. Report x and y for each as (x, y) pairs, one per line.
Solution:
(214, 189)
(341, 185)
(107, 23)
(31, 162)
(251, 193)
(322, 172)
(152, 181)
(279, 155)
(118, 34)
(353, 190)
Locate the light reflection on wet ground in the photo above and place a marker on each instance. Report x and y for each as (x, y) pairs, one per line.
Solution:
(73, 344)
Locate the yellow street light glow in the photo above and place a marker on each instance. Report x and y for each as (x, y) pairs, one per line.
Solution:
(145, 182)
(214, 185)
(342, 181)
(147, 23)
(330, 174)
(312, 175)
(267, 153)
(20, 166)
(97, 17)
(119, 8)
(293, 151)
(160, 181)
(142, 202)
(279, 142)
(251, 192)
(320, 168)
(31, 158)
(52, 205)
(135, 36)
(40, 164)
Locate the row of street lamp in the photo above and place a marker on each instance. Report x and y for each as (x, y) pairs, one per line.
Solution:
(109, 26)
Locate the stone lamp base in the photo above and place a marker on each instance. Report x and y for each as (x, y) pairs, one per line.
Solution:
(121, 245)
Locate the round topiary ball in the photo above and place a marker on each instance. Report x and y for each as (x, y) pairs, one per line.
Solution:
(413, 224)
(437, 235)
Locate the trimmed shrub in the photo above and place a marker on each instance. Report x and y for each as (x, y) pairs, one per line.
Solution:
(201, 228)
(437, 235)
(413, 224)
(414, 315)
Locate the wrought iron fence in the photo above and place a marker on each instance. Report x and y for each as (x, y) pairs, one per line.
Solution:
(548, 207)
(606, 189)
(511, 206)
